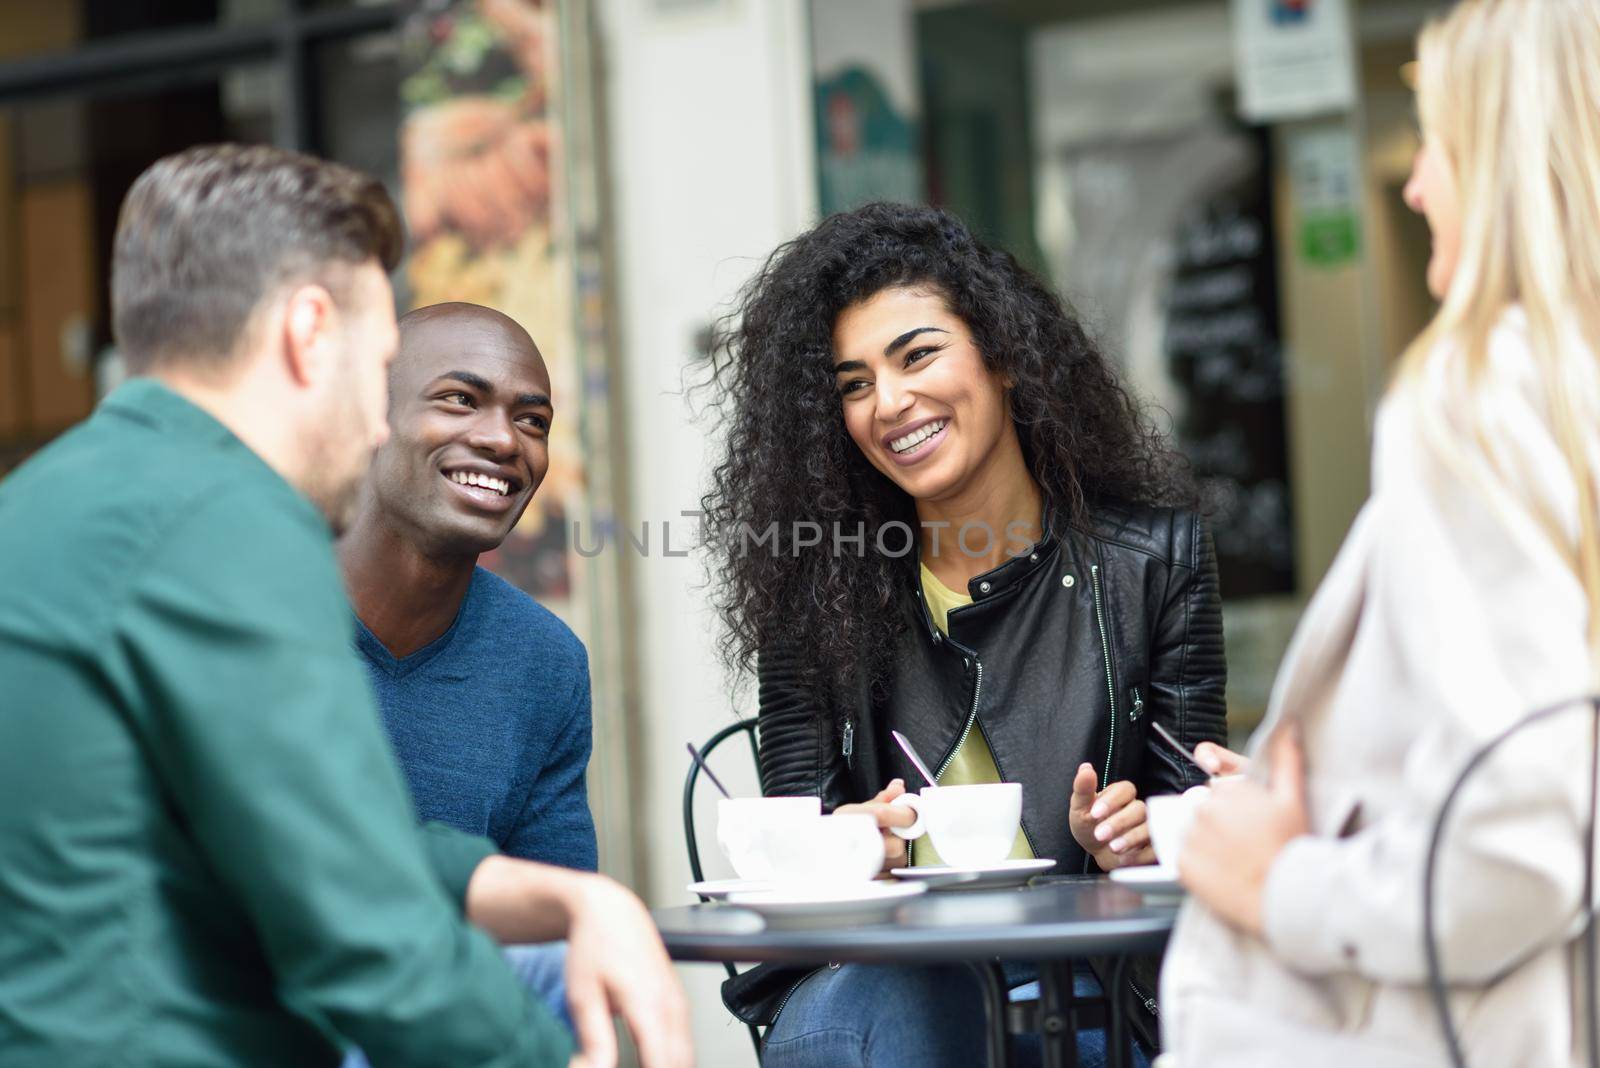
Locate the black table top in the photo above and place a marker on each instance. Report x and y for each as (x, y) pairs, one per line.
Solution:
(1065, 917)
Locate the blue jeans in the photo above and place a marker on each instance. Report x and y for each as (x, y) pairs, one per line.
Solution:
(542, 970)
(894, 1016)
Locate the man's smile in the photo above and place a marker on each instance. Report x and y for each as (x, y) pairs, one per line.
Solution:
(490, 491)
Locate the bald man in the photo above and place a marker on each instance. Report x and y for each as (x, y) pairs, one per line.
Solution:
(485, 694)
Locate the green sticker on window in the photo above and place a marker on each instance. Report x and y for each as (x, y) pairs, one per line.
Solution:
(1328, 239)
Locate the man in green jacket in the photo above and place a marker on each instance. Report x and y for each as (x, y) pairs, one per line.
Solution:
(207, 856)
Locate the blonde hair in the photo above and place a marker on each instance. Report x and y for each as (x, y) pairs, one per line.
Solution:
(1510, 90)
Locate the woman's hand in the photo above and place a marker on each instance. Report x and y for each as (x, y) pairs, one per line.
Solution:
(1110, 825)
(1239, 831)
(888, 815)
(1216, 760)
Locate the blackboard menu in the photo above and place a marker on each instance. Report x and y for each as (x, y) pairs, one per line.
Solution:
(1223, 349)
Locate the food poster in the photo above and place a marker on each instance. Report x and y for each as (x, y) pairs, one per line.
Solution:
(482, 177)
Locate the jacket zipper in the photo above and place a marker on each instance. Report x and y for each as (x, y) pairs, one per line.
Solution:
(1146, 997)
(1138, 705)
(1111, 688)
(849, 744)
(972, 717)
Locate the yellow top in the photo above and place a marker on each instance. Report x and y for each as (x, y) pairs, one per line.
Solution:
(972, 762)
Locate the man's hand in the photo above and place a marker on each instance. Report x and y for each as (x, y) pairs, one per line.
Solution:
(1110, 824)
(616, 965)
(1239, 831)
(888, 815)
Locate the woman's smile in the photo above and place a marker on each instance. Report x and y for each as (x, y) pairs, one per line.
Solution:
(914, 442)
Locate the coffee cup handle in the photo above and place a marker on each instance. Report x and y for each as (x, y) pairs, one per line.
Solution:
(916, 830)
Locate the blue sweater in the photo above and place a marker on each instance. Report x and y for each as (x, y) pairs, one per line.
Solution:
(491, 724)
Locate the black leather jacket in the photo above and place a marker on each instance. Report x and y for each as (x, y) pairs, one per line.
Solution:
(1065, 655)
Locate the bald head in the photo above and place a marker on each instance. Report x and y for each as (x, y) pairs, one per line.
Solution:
(469, 417)
(430, 335)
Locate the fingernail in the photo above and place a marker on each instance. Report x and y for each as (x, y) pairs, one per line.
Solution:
(1098, 812)
(1118, 846)
(1102, 833)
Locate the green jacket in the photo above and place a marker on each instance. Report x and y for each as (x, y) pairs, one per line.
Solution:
(207, 855)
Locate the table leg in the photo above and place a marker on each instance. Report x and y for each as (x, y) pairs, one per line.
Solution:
(1119, 1043)
(994, 1012)
(1058, 1025)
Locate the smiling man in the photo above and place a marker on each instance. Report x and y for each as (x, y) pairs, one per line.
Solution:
(484, 692)
(207, 854)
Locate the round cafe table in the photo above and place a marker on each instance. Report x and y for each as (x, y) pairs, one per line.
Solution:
(1053, 922)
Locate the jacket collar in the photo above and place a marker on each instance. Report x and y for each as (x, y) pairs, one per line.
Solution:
(1014, 569)
(997, 580)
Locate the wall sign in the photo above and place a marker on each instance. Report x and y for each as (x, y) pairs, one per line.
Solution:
(1296, 58)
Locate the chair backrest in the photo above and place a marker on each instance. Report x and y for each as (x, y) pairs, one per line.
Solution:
(1437, 984)
(748, 728)
(691, 839)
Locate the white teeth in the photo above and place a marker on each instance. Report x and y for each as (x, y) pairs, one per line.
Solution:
(917, 437)
(488, 482)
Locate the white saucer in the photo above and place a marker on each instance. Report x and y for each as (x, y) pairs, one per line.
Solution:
(978, 877)
(717, 889)
(1149, 879)
(826, 905)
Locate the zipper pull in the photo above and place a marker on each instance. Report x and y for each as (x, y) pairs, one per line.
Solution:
(1138, 705)
(849, 745)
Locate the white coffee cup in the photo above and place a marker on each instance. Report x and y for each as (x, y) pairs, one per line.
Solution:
(1170, 816)
(750, 829)
(826, 849)
(971, 826)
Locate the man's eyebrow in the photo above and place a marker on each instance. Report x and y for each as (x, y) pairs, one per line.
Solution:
(483, 385)
(467, 378)
(889, 349)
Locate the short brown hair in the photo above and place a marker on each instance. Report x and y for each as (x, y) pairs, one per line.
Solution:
(205, 235)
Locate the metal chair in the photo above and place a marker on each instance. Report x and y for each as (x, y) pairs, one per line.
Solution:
(748, 727)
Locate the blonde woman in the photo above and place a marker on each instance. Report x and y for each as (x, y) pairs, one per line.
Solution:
(1465, 597)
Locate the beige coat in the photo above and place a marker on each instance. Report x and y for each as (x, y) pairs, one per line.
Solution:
(1448, 615)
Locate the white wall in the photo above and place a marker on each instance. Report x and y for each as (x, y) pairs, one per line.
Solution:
(1159, 66)
(711, 165)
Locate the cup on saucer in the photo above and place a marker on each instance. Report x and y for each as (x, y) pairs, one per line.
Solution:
(971, 826)
(751, 830)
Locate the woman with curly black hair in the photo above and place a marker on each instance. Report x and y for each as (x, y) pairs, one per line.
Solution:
(940, 512)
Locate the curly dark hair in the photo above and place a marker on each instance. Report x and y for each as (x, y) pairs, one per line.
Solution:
(789, 459)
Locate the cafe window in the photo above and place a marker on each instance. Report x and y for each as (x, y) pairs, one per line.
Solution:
(92, 92)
